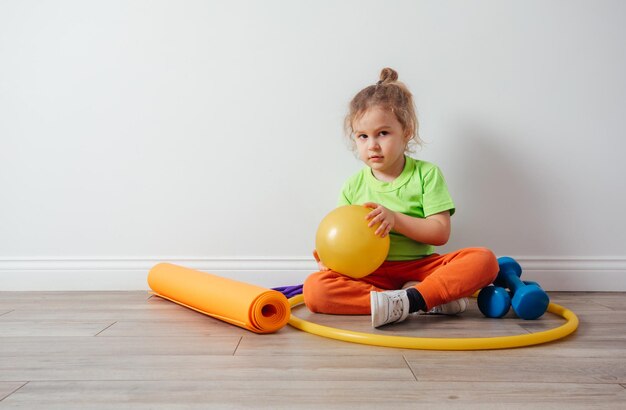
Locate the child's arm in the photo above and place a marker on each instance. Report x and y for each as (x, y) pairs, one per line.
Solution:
(320, 265)
(433, 230)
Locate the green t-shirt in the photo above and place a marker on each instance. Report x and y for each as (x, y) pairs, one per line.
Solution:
(419, 191)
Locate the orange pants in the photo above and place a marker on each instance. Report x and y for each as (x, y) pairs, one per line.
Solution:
(442, 278)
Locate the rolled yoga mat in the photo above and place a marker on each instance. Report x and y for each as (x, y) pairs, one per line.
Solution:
(248, 306)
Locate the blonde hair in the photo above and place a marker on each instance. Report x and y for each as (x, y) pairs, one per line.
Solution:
(389, 94)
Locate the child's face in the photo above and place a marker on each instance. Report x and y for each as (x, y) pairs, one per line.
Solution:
(381, 142)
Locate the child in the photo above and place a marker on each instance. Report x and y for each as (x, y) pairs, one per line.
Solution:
(410, 201)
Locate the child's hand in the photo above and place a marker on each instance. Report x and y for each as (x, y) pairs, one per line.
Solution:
(320, 265)
(382, 215)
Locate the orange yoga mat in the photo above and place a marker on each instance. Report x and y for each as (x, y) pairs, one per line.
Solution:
(248, 306)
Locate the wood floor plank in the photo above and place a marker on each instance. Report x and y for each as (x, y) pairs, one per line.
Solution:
(614, 302)
(588, 330)
(589, 317)
(613, 317)
(611, 300)
(32, 328)
(203, 367)
(17, 347)
(98, 307)
(291, 342)
(202, 325)
(580, 306)
(550, 353)
(341, 394)
(505, 369)
(13, 300)
(90, 313)
(7, 388)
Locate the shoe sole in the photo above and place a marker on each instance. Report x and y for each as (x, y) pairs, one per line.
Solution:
(373, 302)
(461, 307)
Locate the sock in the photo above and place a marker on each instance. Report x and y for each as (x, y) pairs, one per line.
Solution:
(416, 301)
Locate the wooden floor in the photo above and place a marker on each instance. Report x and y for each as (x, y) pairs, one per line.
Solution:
(128, 350)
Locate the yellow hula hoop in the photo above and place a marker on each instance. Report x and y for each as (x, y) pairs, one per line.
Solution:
(433, 343)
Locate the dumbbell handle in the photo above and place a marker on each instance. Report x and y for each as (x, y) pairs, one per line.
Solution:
(530, 282)
(513, 281)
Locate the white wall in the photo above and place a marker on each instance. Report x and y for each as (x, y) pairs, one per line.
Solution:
(208, 133)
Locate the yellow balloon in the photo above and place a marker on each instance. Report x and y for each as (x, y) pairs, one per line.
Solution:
(345, 243)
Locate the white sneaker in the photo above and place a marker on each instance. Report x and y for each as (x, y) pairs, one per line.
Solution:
(450, 308)
(390, 306)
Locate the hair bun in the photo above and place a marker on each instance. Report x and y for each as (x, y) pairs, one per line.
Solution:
(388, 75)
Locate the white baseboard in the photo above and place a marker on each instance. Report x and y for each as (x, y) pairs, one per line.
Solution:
(591, 274)
(39, 274)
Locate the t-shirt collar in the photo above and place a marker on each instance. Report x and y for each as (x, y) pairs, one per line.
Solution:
(403, 178)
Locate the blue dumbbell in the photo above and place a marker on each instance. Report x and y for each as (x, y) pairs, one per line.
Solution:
(530, 282)
(529, 301)
(494, 301)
